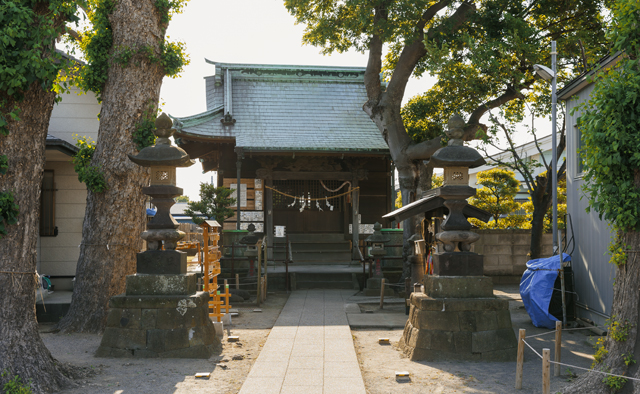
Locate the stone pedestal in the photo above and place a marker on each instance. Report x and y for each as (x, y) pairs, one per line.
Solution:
(159, 316)
(458, 318)
(373, 288)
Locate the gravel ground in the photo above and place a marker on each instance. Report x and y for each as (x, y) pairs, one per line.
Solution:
(158, 376)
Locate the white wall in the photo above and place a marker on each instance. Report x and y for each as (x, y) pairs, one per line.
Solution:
(58, 255)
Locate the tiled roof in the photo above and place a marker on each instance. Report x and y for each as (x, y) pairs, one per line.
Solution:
(295, 108)
(63, 146)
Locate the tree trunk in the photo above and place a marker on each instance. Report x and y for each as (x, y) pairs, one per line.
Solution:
(541, 200)
(22, 352)
(115, 218)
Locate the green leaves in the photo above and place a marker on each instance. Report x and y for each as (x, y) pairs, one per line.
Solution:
(88, 173)
(498, 192)
(214, 204)
(9, 211)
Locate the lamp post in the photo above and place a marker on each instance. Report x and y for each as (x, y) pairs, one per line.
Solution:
(547, 75)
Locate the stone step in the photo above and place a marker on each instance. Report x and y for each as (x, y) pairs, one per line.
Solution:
(315, 238)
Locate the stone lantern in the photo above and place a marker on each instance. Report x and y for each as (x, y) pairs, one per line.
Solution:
(457, 317)
(377, 241)
(161, 313)
(251, 240)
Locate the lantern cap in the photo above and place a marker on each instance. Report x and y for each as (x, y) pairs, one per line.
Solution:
(162, 153)
(251, 238)
(377, 236)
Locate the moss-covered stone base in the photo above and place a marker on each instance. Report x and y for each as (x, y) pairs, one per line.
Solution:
(475, 329)
(166, 326)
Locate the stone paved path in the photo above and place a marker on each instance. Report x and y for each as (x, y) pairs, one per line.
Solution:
(309, 350)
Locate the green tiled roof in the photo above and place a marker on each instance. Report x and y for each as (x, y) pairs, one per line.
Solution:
(297, 108)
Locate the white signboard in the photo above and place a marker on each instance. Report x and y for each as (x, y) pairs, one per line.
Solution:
(258, 198)
(251, 216)
(280, 231)
(258, 183)
(243, 194)
(259, 227)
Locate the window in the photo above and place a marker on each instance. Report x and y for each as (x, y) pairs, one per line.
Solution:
(47, 206)
(578, 138)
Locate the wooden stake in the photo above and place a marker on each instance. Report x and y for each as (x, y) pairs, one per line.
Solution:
(520, 360)
(557, 356)
(237, 281)
(381, 293)
(546, 371)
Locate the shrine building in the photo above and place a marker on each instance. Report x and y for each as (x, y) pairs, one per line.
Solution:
(308, 159)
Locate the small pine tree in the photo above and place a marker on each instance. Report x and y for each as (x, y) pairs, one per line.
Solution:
(497, 196)
(214, 204)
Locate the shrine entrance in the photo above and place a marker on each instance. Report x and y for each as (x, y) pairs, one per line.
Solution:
(295, 205)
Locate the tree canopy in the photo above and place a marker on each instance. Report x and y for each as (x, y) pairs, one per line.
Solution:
(214, 204)
(497, 194)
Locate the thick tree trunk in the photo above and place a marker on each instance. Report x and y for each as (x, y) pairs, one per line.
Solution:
(22, 352)
(115, 218)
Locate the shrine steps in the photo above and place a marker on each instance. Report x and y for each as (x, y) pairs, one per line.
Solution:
(317, 249)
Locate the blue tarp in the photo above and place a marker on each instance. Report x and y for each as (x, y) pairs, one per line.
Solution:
(536, 289)
(151, 212)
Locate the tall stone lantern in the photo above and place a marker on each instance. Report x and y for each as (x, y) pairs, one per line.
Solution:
(161, 313)
(457, 317)
(377, 241)
(251, 240)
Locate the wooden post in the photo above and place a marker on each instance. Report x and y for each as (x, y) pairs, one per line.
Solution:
(381, 293)
(546, 371)
(237, 281)
(268, 203)
(258, 287)
(557, 356)
(355, 223)
(520, 360)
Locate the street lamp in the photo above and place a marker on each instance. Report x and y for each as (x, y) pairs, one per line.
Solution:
(550, 74)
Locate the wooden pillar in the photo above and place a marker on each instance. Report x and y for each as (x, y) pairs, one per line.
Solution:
(238, 188)
(268, 202)
(394, 192)
(355, 224)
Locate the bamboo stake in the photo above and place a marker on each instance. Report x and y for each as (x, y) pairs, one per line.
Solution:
(557, 356)
(520, 360)
(237, 281)
(546, 371)
(381, 293)
(258, 285)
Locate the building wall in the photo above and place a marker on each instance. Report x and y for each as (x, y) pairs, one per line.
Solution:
(77, 113)
(58, 255)
(505, 252)
(594, 276)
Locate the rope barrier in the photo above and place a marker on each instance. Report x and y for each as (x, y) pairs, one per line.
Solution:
(563, 330)
(313, 199)
(573, 366)
(107, 245)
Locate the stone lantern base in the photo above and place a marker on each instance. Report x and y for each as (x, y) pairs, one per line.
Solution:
(459, 318)
(159, 316)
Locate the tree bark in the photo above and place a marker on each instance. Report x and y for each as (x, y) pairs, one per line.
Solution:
(22, 351)
(115, 218)
(541, 200)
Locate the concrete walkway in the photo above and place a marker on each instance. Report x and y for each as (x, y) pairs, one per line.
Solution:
(309, 350)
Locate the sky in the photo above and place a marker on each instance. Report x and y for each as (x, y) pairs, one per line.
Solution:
(240, 31)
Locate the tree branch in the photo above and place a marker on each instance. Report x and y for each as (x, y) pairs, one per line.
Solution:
(414, 51)
(474, 120)
(423, 150)
(74, 34)
(374, 64)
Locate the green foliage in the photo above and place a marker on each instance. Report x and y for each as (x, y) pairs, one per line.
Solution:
(27, 31)
(614, 382)
(97, 45)
(4, 164)
(497, 194)
(15, 385)
(617, 251)
(214, 204)
(617, 330)
(601, 352)
(628, 359)
(143, 134)
(182, 199)
(609, 122)
(88, 174)
(8, 211)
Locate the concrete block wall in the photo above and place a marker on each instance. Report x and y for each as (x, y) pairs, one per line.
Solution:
(505, 251)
